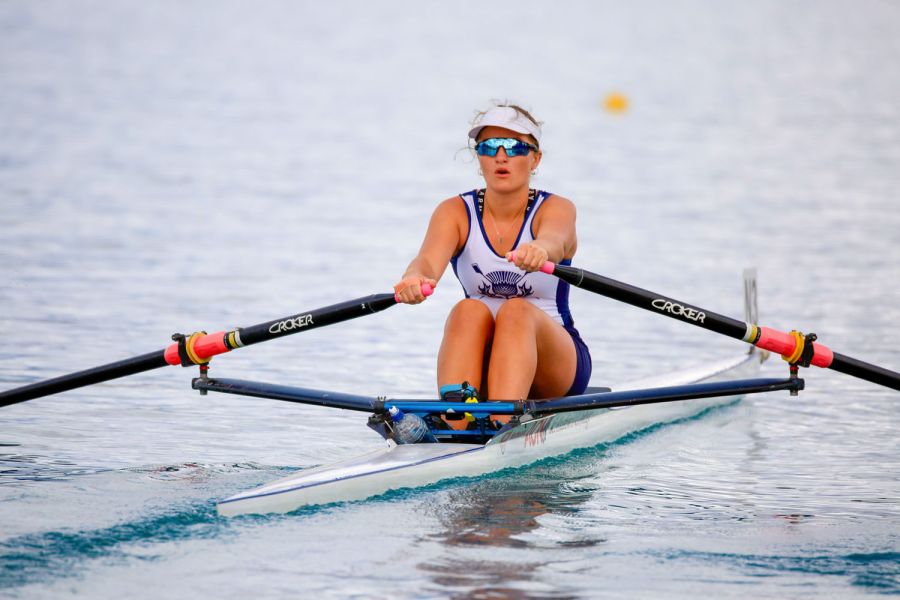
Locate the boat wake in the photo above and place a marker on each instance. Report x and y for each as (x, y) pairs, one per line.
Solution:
(41, 557)
(875, 571)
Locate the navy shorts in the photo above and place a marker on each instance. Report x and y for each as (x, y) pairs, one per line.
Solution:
(583, 364)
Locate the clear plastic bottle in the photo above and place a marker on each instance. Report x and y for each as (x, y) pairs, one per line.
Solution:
(409, 428)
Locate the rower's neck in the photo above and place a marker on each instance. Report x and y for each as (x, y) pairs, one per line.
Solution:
(507, 205)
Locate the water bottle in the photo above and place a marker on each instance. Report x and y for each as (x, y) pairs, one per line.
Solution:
(409, 428)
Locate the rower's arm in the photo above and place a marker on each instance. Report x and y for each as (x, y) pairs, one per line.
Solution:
(442, 240)
(554, 228)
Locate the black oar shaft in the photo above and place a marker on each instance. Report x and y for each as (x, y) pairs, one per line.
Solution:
(321, 317)
(651, 301)
(763, 337)
(204, 347)
(863, 370)
(200, 348)
(129, 366)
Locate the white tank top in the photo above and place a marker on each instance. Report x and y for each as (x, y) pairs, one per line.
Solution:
(490, 278)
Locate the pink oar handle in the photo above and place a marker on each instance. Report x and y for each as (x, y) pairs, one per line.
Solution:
(427, 290)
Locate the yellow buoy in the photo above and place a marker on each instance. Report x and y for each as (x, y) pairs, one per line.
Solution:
(615, 102)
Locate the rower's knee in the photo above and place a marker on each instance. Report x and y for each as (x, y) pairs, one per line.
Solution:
(516, 310)
(468, 313)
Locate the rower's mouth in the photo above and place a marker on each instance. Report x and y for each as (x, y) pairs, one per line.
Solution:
(501, 171)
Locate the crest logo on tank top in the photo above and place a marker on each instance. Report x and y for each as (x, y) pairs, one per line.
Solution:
(503, 284)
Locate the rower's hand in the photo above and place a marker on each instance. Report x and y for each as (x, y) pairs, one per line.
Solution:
(528, 257)
(413, 289)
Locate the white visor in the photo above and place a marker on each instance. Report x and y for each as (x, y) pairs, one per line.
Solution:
(507, 118)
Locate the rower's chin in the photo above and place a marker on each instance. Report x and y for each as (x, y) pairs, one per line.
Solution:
(506, 182)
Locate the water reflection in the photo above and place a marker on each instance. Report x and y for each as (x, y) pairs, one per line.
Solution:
(505, 511)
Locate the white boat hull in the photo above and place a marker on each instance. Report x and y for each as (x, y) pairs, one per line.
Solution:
(396, 467)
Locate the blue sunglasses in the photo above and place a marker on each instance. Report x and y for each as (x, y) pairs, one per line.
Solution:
(512, 146)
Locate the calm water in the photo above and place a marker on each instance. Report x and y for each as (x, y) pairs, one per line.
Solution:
(170, 168)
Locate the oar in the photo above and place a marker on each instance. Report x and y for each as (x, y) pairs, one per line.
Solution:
(794, 347)
(199, 348)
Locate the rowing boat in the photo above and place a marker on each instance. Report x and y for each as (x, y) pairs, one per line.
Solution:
(536, 434)
(408, 466)
(536, 430)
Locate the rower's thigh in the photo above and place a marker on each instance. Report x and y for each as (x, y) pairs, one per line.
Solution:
(557, 360)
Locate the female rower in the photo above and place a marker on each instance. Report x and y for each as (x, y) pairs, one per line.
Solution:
(513, 334)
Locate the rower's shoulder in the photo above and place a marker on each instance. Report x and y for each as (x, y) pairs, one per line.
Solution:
(450, 214)
(557, 205)
(561, 201)
(452, 206)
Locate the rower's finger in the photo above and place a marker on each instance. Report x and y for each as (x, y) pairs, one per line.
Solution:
(528, 257)
(517, 256)
(414, 293)
(535, 258)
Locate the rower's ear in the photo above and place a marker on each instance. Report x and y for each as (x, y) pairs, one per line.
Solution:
(536, 160)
